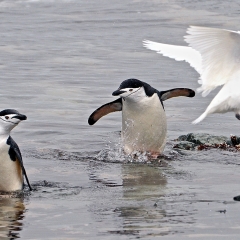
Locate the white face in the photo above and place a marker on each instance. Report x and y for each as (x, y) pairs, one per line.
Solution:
(133, 93)
(9, 121)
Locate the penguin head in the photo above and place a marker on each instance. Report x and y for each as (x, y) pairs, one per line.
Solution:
(131, 89)
(10, 118)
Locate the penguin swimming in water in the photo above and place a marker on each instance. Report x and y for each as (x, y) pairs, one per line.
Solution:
(11, 164)
(144, 124)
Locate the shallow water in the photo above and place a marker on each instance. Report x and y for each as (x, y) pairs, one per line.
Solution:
(59, 61)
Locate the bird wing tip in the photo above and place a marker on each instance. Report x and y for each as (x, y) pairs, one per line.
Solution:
(195, 122)
(146, 42)
(199, 119)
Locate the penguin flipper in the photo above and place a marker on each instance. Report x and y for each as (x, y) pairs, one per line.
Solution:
(104, 110)
(15, 153)
(176, 92)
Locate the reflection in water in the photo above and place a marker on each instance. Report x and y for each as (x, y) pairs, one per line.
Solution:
(141, 181)
(11, 212)
(144, 185)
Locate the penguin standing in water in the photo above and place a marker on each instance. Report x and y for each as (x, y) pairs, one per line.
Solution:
(11, 164)
(144, 124)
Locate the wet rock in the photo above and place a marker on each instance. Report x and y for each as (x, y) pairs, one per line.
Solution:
(223, 146)
(203, 138)
(229, 142)
(204, 141)
(234, 140)
(185, 145)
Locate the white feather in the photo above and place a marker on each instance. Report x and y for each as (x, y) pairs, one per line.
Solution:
(220, 51)
(215, 54)
(179, 53)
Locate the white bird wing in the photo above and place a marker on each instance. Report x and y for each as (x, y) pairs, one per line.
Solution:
(220, 51)
(179, 53)
(227, 100)
(214, 53)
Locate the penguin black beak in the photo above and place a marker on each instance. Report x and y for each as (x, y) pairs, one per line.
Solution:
(20, 117)
(117, 92)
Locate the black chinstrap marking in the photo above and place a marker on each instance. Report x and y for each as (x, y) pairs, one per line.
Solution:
(9, 122)
(131, 93)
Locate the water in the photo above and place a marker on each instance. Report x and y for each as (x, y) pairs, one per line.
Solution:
(59, 61)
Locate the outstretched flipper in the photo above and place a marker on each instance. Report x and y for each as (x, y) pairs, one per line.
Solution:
(15, 154)
(104, 110)
(176, 92)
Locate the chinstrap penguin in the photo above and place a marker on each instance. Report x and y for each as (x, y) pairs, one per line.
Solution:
(144, 124)
(214, 54)
(11, 163)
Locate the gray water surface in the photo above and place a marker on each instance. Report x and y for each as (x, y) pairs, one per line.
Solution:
(62, 59)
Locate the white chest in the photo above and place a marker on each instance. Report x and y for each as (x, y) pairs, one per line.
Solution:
(144, 125)
(11, 178)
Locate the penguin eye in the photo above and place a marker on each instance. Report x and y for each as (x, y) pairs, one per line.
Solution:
(130, 90)
(6, 117)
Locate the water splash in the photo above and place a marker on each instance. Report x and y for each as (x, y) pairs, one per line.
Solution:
(113, 152)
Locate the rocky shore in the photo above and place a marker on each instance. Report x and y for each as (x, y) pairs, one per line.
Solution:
(202, 141)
